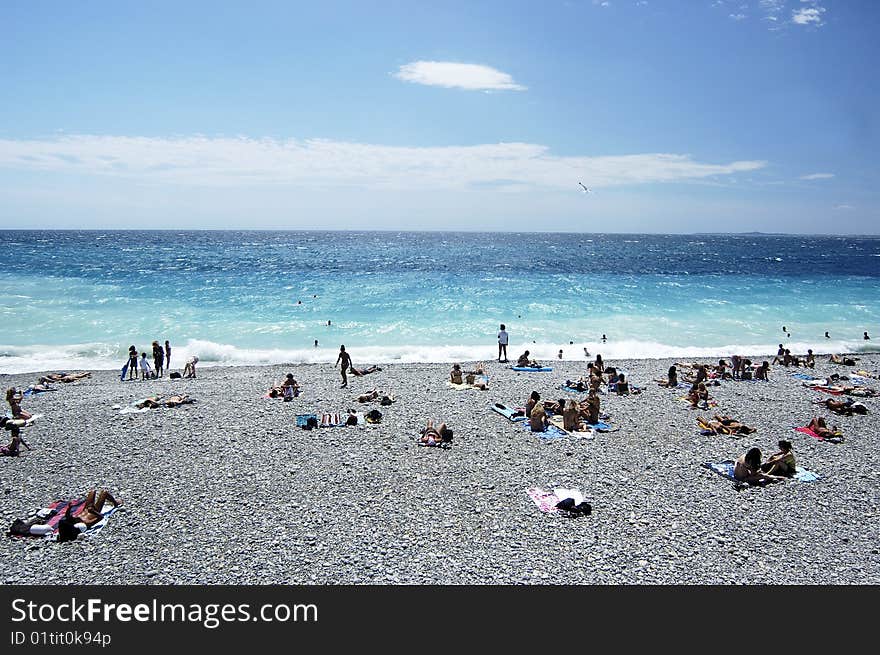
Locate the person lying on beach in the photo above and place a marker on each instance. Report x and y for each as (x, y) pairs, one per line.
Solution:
(364, 371)
(455, 375)
(861, 392)
(179, 399)
(525, 362)
(189, 369)
(844, 407)
(762, 371)
(435, 435)
(781, 463)
(63, 377)
(14, 398)
(71, 524)
(40, 388)
(579, 385)
(726, 425)
(538, 420)
(748, 469)
(153, 402)
(818, 425)
(671, 380)
(845, 361)
(479, 369)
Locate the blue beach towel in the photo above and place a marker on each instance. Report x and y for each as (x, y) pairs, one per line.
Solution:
(602, 427)
(725, 470)
(303, 419)
(507, 412)
(529, 369)
(552, 432)
(802, 376)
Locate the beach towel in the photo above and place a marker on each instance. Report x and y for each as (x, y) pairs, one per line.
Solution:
(30, 391)
(574, 389)
(802, 376)
(558, 421)
(602, 427)
(725, 470)
(551, 432)
(56, 510)
(547, 500)
(337, 420)
(507, 412)
(464, 386)
(827, 389)
(530, 369)
(303, 419)
(836, 438)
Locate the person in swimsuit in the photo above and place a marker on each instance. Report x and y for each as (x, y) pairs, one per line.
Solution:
(167, 355)
(622, 385)
(14, 427)
(532, 402)
(538, 420)
(146, 371)
(433, 435)
(671, 380)
(189, 369)
(345, 358)
(503, 340)
(360, 372)
(455, 374)
(63, 377)
(14, 399)
(180, 399)
(820, 427)
(88, 515)
(748, 469)
(782, 462)
(762, 371)
(590, 407)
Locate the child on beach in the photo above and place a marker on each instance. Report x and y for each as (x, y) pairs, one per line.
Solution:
(132, 362)
(146, 371)
(503, 340)
(14, 398)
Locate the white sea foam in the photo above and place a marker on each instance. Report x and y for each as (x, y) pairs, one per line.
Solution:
(105, 356)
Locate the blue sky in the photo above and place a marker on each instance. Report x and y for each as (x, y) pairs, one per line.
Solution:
(681, 116)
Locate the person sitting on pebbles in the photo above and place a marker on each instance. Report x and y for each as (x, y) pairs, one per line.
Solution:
(748, 469)
(671, 380)
(781, 463)
(525, 361)
(455, 375)
(538, 420)
(698, 396)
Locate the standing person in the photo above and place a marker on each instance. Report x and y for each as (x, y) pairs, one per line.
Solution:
(189, 369)
(503, 340)
(866, 337)
(604, 339)
(167, 356)
(132, 362)
(158, 358)
(827, 336)
(146, 371)
(316, 343)
(345, 358)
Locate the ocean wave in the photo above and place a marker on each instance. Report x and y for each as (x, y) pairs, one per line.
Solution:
(104, 356)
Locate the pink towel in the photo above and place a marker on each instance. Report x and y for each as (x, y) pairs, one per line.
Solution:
(545, 500)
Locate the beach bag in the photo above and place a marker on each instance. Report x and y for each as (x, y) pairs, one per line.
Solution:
(374, 416)
(174, 376)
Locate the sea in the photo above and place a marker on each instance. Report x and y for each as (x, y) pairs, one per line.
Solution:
(74, 300)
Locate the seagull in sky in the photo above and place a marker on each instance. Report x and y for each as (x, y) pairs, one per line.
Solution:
(586, 190)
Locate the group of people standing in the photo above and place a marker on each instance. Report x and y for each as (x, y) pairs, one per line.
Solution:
(161, 362)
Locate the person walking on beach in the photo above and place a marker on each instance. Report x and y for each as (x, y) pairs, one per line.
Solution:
(158, 358)
(345, 358)
(167, 355)
(132, 362)
(503, 340)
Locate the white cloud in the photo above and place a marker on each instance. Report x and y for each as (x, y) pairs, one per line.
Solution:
(808, 15)
(449, 74)
(843, 207)
(817, 176)
(738, 16)
(318, 163)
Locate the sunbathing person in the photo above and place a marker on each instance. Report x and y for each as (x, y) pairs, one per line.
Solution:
(782, 462)
(367, 397)
(364, 371)
(538, 420)
(571, 416)
(579, 385)
(14, 427)
(14, 398)
(455, 375)
(698, 395)
(532, 402)
(152, 402)
(762, 371)
(748, 469)
(820, 427)
(845, 361)
(432, 435)
(727, 425)
(72, 525)
(671, 380)
(478, 380)
(64, 377)
(177, 400)
(845, 407)
(810, 360)
(590, 408)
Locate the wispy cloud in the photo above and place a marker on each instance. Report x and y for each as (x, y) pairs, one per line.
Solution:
(817, 176)
(811, 15)
(843, 207)
(318, 163)
(453, 75)
(738, 17)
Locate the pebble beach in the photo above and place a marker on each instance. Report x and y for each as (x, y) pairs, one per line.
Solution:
(229, 490)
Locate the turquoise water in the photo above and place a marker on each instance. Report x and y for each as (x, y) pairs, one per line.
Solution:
(79, 299)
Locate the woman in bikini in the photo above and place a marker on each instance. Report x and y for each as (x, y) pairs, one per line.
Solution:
(14, 399)
(782, 462)
(435, 435)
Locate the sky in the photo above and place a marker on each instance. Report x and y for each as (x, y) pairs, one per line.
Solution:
(677, 115)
